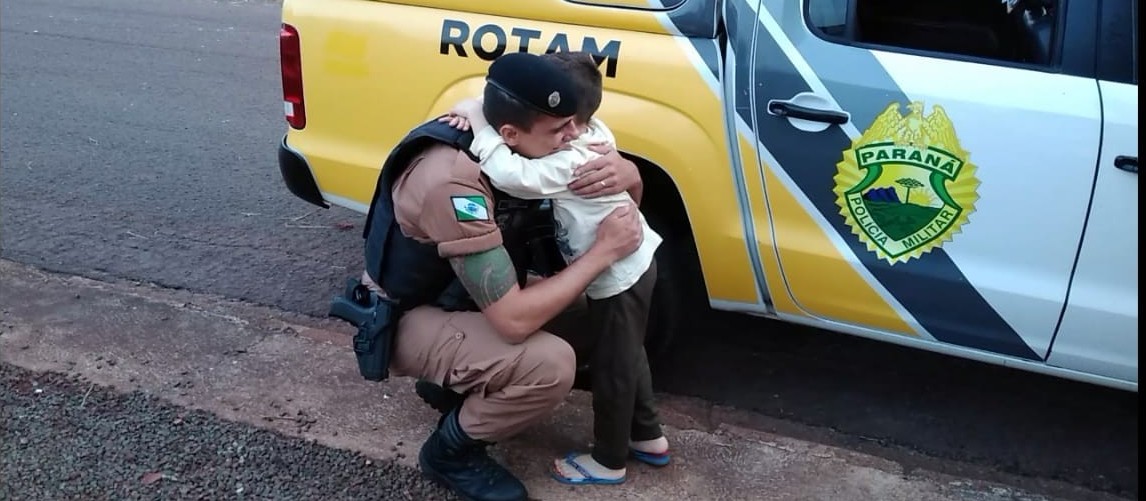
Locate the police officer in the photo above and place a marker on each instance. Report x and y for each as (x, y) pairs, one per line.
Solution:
(450, 252)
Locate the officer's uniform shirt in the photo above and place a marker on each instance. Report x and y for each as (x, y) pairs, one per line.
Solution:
(443, 199)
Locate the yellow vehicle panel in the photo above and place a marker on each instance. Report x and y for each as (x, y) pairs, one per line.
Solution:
(659, 106)
(757, 114)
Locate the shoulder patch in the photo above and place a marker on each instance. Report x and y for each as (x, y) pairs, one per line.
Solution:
(470, 208)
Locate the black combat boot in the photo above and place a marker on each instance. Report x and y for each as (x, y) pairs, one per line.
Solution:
(460, 463)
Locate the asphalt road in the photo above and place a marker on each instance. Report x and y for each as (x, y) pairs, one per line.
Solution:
(137, 140)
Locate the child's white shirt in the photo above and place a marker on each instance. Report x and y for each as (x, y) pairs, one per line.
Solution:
(576, 217)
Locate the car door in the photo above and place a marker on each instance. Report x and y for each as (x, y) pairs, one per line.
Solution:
(1099, 330)
(943, 150)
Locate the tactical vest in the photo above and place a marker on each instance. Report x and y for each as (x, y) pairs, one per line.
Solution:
(411, 272)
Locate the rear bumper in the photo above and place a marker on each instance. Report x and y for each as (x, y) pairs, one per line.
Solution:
(297, 176)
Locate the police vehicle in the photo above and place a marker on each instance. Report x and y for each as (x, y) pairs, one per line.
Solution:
(959, 176)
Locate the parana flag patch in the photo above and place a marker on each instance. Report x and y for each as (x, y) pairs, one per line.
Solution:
(470, 208)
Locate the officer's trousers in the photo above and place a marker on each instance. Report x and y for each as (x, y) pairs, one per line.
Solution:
(508, 386)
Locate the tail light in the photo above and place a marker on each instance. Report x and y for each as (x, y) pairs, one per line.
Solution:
(290, 56)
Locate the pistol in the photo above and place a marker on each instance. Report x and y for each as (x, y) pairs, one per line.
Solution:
(372, 314)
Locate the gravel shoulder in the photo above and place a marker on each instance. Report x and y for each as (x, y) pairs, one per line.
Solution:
(66, 438)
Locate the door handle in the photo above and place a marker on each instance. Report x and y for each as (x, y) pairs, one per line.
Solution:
(793, 110)
(1128, 164)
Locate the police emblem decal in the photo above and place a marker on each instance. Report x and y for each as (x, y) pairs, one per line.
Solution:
(554, 99)
(470, 208)
(906, 186)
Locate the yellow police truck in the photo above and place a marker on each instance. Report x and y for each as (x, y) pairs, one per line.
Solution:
(959, 176)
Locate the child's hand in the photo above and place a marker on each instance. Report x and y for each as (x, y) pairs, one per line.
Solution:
(462, 113)
(456, 121)
(467, 108)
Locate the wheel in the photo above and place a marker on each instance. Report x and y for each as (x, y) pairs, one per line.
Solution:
(679, 297)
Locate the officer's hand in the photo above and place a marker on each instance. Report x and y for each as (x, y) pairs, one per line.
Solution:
(620, 233)
(609, 174)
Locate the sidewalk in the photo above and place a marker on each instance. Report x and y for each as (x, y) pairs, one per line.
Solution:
(296, 375)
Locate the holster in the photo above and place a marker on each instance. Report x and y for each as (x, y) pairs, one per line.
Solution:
(377, 319)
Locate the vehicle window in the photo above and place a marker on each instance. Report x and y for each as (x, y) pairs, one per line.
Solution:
(1134, 34)
(1018, 31)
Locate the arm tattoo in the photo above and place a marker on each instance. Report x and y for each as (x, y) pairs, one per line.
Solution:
(487, 275)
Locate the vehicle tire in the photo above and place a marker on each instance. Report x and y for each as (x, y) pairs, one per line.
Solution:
(679, 297)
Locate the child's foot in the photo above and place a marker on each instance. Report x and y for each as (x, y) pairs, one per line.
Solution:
(583, 469)
(654, 452)
(655, 446)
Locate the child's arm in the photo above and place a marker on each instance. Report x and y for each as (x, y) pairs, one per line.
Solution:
(508, 171)
(545, 177)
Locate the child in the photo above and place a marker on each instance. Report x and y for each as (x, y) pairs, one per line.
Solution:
(625, 421)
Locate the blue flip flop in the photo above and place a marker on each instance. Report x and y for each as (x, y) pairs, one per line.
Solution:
(589, 478)
(649, 458)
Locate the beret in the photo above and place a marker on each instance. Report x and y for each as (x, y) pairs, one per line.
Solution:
(535, 81)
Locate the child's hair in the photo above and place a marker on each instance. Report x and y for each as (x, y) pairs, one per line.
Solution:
(582, 68)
